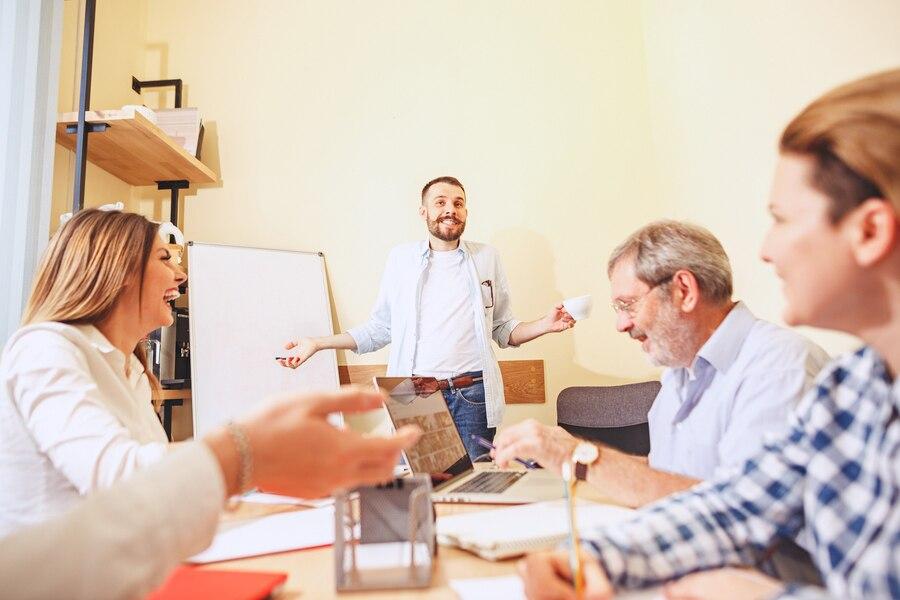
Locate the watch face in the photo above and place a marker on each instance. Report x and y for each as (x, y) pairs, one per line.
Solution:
(585, 453)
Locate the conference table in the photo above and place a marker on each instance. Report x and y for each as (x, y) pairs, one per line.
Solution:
(311, 571)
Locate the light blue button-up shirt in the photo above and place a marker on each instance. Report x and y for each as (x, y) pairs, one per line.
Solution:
(743, 383)
(394, 319)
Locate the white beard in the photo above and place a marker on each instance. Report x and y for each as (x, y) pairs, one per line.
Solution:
(671, 339)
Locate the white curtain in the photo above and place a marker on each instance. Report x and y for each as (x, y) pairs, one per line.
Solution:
(30, 38)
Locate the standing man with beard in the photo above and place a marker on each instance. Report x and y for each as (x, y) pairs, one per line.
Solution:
(440, 303)
(731, 377)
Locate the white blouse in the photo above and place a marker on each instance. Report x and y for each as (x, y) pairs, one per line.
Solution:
(70, 421)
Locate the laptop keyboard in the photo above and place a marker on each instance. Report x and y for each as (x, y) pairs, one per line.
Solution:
(489, 482)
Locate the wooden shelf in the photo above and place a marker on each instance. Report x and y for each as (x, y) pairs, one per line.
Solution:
(163, 395)
(135, 150)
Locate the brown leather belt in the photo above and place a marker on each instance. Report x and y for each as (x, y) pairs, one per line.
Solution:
(430, 385)
(463, 381)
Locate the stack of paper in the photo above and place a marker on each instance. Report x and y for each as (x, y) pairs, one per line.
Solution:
(506, 532)
(264, 498)
(511, 588)
(183, 126)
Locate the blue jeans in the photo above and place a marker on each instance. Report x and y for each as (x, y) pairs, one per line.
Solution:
(467, 409)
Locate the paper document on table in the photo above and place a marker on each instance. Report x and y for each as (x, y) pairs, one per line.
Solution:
(275, 533)
(264, 498)
(506, 532)
(511, 588)
(478, 588)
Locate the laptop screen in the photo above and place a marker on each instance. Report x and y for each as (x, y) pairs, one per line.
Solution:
(440, 451)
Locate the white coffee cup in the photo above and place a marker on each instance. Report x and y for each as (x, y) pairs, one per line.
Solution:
(579, 307)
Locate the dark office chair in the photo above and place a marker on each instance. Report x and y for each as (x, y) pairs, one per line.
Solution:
(615, 415)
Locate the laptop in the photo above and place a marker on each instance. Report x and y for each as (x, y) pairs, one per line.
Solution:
(441, 454)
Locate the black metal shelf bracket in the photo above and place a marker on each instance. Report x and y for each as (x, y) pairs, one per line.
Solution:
(138, 85)
(82, 130)
(173, 186)
(91, 127)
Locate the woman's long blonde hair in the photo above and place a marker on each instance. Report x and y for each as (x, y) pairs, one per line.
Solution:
(86, 267)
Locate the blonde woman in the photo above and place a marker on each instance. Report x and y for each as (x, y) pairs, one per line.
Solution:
(75, 393)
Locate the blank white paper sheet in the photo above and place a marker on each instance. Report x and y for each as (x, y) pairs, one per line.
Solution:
(268, 535)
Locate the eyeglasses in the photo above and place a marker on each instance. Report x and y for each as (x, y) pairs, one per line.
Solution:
(631, 307)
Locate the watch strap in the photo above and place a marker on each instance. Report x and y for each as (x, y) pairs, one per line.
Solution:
(581, 471)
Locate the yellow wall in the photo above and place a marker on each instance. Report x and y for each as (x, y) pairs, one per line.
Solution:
(119, 36)
(329, 116)
(571, 124)
(724, 80)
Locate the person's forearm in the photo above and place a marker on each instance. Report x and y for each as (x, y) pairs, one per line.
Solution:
(340, 341)
(525, 332)
(225, 451)
(119, 542)
(630, 480)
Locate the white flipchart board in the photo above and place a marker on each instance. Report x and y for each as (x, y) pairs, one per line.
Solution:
(245, 303)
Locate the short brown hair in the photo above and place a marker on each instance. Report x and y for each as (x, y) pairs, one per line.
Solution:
(853, 134)
(443, 179)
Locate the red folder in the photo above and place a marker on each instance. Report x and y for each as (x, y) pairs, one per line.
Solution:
(195, 584)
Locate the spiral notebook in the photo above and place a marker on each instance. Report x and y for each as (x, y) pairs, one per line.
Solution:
(507, 532)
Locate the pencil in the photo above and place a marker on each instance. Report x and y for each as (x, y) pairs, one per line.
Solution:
(568, 473)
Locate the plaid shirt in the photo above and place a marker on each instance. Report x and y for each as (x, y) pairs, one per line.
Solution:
(834, 473)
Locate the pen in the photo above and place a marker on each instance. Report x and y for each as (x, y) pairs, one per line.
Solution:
(529, 464)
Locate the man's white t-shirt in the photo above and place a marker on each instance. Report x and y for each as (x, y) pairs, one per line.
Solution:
(446, 344)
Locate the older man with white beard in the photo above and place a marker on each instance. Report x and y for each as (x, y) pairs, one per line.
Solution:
(731, 377)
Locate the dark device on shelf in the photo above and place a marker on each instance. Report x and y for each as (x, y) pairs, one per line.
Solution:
(169, 352)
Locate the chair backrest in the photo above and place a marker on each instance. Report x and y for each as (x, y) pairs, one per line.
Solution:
(615, 415)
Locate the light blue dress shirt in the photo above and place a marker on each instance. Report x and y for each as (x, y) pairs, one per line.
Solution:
(745, 380)
(394, 319)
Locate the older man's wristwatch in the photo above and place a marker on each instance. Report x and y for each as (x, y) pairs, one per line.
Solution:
(584, 455)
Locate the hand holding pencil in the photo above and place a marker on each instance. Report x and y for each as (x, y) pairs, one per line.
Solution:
(548, 575)
(566, 573)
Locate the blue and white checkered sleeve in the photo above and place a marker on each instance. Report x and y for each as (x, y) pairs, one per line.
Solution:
(727, 521)
(803, 592)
